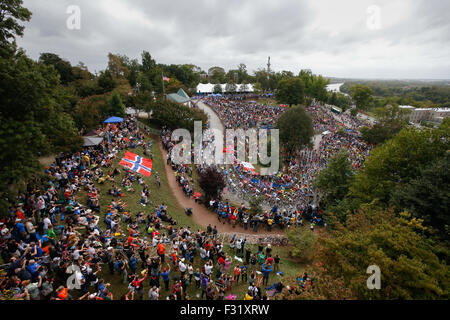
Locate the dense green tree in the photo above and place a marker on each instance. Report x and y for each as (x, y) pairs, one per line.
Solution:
(231, 88)
(362, 95)
(11, 14)
(63, 67)
(143, 84)
(409, 264)
(174, 115)
(217, 88)
(117, 68)
(397, 162)
(33, 121)
(291, 91)
(303, 241)
(217, 75)
(116, 106)
(427, 197)
(296, 130)
(106, 82)
(390, 120)
(333, 182)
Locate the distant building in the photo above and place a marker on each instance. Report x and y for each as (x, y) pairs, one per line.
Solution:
(418, 115)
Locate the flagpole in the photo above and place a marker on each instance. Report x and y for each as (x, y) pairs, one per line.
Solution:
(164, 87)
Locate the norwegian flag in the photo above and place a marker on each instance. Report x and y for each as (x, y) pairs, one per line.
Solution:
(137, 163)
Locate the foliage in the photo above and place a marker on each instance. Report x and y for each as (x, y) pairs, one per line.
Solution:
(303, 240)
(255, 206)
(116, 107)
(291, 91)
(410, 269)
(11, 14)
(212, 182)
(217, 88)
(427, 196)
(339, 100)
(416, 93)
(315, 86)
(106, 82)
(333, 182)
(231, 87)
(390, 120)
(33, 121)
(296, 130)
(362, 95)
(174, 115)
(63, 67)
(397, 162)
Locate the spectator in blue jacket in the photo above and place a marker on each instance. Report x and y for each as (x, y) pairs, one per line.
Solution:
(266, 269)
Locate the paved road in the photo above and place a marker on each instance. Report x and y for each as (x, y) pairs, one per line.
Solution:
(213, 118)
(201, 215)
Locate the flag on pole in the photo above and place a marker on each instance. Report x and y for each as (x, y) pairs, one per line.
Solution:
(137, 163)
(165, 78)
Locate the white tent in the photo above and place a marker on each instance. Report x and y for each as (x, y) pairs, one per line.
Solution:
(207, 88)
(92, 141)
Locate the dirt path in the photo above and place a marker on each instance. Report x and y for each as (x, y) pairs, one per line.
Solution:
(201, 215)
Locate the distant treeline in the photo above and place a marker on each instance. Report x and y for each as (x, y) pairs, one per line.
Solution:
(420, 94)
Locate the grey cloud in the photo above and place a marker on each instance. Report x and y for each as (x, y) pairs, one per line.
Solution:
(226, 33)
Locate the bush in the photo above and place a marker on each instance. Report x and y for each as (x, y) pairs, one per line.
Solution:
(303, 240)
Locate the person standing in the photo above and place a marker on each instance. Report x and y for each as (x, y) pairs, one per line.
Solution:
(266, 269)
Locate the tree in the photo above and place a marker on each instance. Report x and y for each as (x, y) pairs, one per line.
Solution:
(148, 64)
(409, 264)
(303, 241)
(116, 107)
(362, 96)
(255, 206)
(212, 182)
(63, 67)
(427, 196)
(11, 13)
(333, 182)
(33, 121)
(296, 129)
(106, 82)
(257, 88)
(143, 84)
(291, 91)
(217, 88)
(390, 120)
(217, 74)
(397, 162)
(231, 88)
(116, 68)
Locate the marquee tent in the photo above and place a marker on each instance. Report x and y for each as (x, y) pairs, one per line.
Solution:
(114, 120)
(209, 88)
(92, 141)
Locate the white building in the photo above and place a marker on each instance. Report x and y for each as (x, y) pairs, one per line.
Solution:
(418, 115)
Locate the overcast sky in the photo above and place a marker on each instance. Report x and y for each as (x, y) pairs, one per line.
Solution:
(346, 38)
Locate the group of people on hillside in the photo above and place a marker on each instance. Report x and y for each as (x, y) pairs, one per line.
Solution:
(59, 243)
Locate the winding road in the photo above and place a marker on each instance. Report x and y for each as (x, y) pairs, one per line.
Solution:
(201, 215)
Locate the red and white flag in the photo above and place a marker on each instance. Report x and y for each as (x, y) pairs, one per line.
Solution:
(137, 163)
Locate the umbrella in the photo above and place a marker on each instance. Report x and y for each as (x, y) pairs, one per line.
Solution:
(114, 120)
